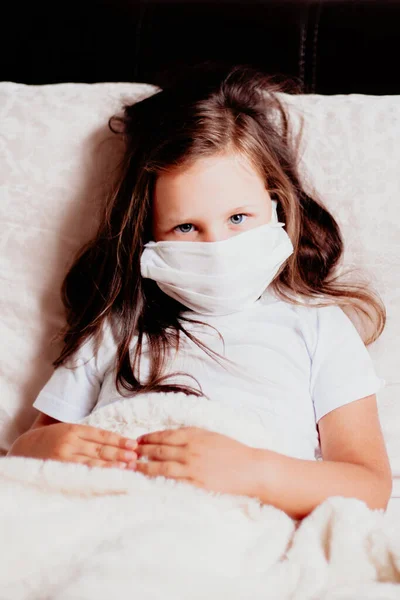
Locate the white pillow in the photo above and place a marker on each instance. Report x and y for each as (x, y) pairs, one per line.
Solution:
(56, 155)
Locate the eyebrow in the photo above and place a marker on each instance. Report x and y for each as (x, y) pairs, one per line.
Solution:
(240, 209)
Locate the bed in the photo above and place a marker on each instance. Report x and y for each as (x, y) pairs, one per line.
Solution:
(65, 78)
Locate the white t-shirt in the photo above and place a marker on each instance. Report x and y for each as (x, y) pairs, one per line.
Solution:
(293, 364)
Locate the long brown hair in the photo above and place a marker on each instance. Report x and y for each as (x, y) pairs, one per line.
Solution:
(213, 109)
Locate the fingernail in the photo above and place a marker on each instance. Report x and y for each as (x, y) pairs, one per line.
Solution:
(130, 455)
(131, 444)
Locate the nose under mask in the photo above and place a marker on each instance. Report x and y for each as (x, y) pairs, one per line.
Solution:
(219, 278)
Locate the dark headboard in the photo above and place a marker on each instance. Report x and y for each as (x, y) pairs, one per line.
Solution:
(326, 46)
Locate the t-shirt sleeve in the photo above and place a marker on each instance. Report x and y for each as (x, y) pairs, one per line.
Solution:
(342, 369)
(72, 391)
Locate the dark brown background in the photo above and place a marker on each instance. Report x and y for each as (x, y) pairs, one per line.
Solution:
(326, 46)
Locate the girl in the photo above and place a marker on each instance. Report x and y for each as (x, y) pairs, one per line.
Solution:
(214, 273)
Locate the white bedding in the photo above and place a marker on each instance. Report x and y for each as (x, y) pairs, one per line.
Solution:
(393, 508)
(70, 532)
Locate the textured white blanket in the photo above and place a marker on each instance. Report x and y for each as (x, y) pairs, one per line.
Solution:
(70, 532)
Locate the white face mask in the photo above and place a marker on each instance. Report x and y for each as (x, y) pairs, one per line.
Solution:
(219, 278)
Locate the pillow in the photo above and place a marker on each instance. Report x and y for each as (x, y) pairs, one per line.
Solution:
(57, 155)
(57, 159)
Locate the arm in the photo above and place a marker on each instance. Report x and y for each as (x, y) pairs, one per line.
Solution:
(42, 419)
(355, 464)
(18, 447)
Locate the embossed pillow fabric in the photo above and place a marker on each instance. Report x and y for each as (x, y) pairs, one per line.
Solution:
(56, 155)
(56, 158)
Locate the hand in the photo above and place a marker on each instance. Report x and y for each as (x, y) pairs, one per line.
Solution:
(206, 459)
(76, 443)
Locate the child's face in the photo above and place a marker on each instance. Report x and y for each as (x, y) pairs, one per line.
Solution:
(214, 199)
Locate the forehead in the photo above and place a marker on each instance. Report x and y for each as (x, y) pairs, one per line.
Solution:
(219, 180)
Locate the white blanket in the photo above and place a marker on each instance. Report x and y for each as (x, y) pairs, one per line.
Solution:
(71, 532)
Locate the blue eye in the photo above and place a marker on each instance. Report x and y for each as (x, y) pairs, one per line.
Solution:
(184, 228)
(237, 219)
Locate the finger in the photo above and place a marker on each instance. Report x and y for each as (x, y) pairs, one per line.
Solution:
(163, 452)
(110, 438)
(175, 437)
(92, 462)
(104, 452)
(169, 469)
